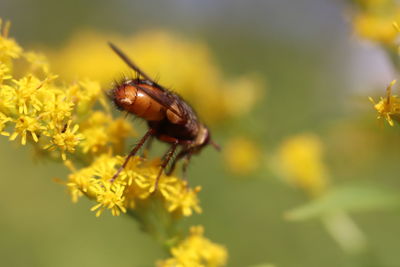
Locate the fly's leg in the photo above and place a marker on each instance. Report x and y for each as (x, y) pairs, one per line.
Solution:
(148, 134)
(167, 157)
(186, 154)
(147, 147)
(185, 165)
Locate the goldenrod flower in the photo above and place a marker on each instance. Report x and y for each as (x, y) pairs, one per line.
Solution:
(376, 28)
(389, 107)
(9, 49)
(135, 183)
(66, 140)
(57, 108)
(196, 251)
(4, 72)
(300, 162)
(37, 62)
(90, 92)
(184, 200)
(96, 137)
(110, 196)
(374, 21)
(3, 120)
(26, 94)
(25, 125)
(100, 131)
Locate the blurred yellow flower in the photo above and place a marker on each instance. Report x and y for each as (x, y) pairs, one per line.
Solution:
(373, 4)
(389, 107)
(184, 66)
(3, 120)
(196, 251)
(374, 19)
(9, 49)
(37, 62)
(242, 155)
(4, 72)
(377, 27)
(299, 160)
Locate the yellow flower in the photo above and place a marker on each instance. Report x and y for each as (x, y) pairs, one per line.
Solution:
(37, 62)
(136, 182)
(244, 92)
(26, 94)
(79, 183)
(9, 49)
(3, 120)
(57, 108)
(4, 72)
(182, 199)
(25, 125)
(66, 140)
(299, 160)
(90, 92)
(196, 251)
(118, 130)
(377, 28)
(373, 20)
(242, 155)
(110, 196)
(389, 107)
(96, 130)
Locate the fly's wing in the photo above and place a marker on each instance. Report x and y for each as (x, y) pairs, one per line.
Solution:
(167, 100)
(129, 62)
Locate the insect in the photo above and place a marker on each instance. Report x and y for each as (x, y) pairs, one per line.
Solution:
(169, 118)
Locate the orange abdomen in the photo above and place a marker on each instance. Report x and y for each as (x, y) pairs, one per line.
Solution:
(136, 101)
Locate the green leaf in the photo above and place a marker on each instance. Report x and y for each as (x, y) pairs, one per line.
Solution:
(348, 198)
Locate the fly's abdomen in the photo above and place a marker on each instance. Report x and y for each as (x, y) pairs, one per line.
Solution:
(132, 99)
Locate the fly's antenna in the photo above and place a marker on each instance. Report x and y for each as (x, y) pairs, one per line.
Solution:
(215, 145)
(128, 61)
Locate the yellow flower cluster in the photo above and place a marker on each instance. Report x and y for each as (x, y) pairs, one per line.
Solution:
(300, 162)
(374, 21)
(135, 184)
(389, 107)
(38, 111)
(196, 251)
(57, 119)
(102, 130)
(186, 67)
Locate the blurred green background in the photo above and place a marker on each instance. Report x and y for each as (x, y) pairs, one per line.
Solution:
(318, 77)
